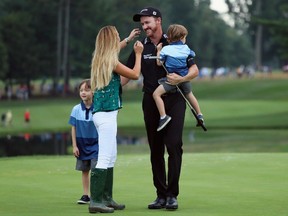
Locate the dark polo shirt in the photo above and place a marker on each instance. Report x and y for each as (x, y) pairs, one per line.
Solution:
(149, 68)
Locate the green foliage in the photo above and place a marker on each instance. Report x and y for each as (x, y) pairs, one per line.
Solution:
(32, 51)
(3, 60)
(27, 35)
(271, 17)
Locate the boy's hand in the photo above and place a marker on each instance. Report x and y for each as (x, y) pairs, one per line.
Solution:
(159, 47)
(76, 151)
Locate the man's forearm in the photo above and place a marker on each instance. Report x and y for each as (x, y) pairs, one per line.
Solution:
(192, 73)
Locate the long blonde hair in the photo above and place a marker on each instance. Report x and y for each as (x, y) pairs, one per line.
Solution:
(105, 57)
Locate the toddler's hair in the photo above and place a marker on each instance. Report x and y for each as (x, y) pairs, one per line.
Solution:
(176, 32)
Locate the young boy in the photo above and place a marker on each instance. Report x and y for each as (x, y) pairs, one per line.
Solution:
(174, 56)
(84, 137)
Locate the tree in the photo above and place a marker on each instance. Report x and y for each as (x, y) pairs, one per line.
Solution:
(277, 27)
(266, 23)
(36, 49)
(22, 33)
(3, 60)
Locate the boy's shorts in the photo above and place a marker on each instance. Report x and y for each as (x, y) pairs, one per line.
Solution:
(85, 165)
(185, 86)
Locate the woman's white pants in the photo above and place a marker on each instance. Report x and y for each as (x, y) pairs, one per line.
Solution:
(106, 125)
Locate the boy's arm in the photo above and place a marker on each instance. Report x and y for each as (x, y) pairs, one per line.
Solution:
(74, 143)
(158, 61)
(133, 34)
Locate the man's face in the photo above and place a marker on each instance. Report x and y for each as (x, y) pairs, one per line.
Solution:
(150, 25)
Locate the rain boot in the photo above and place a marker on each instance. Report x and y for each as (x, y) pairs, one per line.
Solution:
(97, 184)
(108, 190)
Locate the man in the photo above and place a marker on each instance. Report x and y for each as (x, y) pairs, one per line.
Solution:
(167, 187)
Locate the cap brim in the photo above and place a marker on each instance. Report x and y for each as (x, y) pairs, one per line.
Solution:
(136, 17)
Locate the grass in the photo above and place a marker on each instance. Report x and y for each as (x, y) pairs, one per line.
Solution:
(230, 103)
(242, 115)
(211, 184)
(237, 168)
(52, 115)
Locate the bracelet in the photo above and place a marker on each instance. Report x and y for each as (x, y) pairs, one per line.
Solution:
(127, 40)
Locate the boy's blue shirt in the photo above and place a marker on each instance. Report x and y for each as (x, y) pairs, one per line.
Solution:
(86, 133)
(175, 57)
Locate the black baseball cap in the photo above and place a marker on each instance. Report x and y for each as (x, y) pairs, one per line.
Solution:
(147, 11)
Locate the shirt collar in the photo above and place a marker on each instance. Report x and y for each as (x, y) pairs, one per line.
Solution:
(84, 107)
(163, 38)
(177, 43)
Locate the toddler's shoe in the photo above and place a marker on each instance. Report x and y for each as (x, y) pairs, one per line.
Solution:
(200, 117)
(163, 122)
(84, 199)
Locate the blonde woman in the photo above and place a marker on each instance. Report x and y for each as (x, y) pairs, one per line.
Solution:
(106, 84)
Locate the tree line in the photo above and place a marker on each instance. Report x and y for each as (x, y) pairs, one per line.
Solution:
(55, 38)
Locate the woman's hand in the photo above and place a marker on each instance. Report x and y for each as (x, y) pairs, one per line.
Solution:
(138, 47)
(133, 34)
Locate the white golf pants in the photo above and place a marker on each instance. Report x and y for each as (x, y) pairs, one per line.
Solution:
(106, 125)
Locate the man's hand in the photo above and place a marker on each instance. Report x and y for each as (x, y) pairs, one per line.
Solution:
(174, 79)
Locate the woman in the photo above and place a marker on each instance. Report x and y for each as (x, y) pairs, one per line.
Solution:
(106, 84)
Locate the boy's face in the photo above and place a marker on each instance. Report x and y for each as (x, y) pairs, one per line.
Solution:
(85, 93)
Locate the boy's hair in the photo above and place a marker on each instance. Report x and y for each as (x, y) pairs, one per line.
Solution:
(87, 82)
(176, 32)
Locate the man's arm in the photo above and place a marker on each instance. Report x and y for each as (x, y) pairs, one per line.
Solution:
(175, 79)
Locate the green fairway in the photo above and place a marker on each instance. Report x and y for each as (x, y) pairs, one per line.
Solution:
(242, 115)
(211, 184)
(229, 104)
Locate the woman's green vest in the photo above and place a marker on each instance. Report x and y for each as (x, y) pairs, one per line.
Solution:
(108, 98)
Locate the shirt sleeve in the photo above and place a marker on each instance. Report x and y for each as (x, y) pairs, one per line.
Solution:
(162, 56)
(72, 118)
(190, 59)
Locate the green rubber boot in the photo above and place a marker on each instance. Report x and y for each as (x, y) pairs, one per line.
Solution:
(97, 184)
(108, 190)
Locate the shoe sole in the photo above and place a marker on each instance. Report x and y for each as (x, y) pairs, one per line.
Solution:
(171, 208)
(82, 202)
(100, 210)
(160, 128)
(156, 207)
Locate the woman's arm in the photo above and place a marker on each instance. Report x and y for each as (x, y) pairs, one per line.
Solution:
(127, 72)
(124, 80)
(133, 34)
